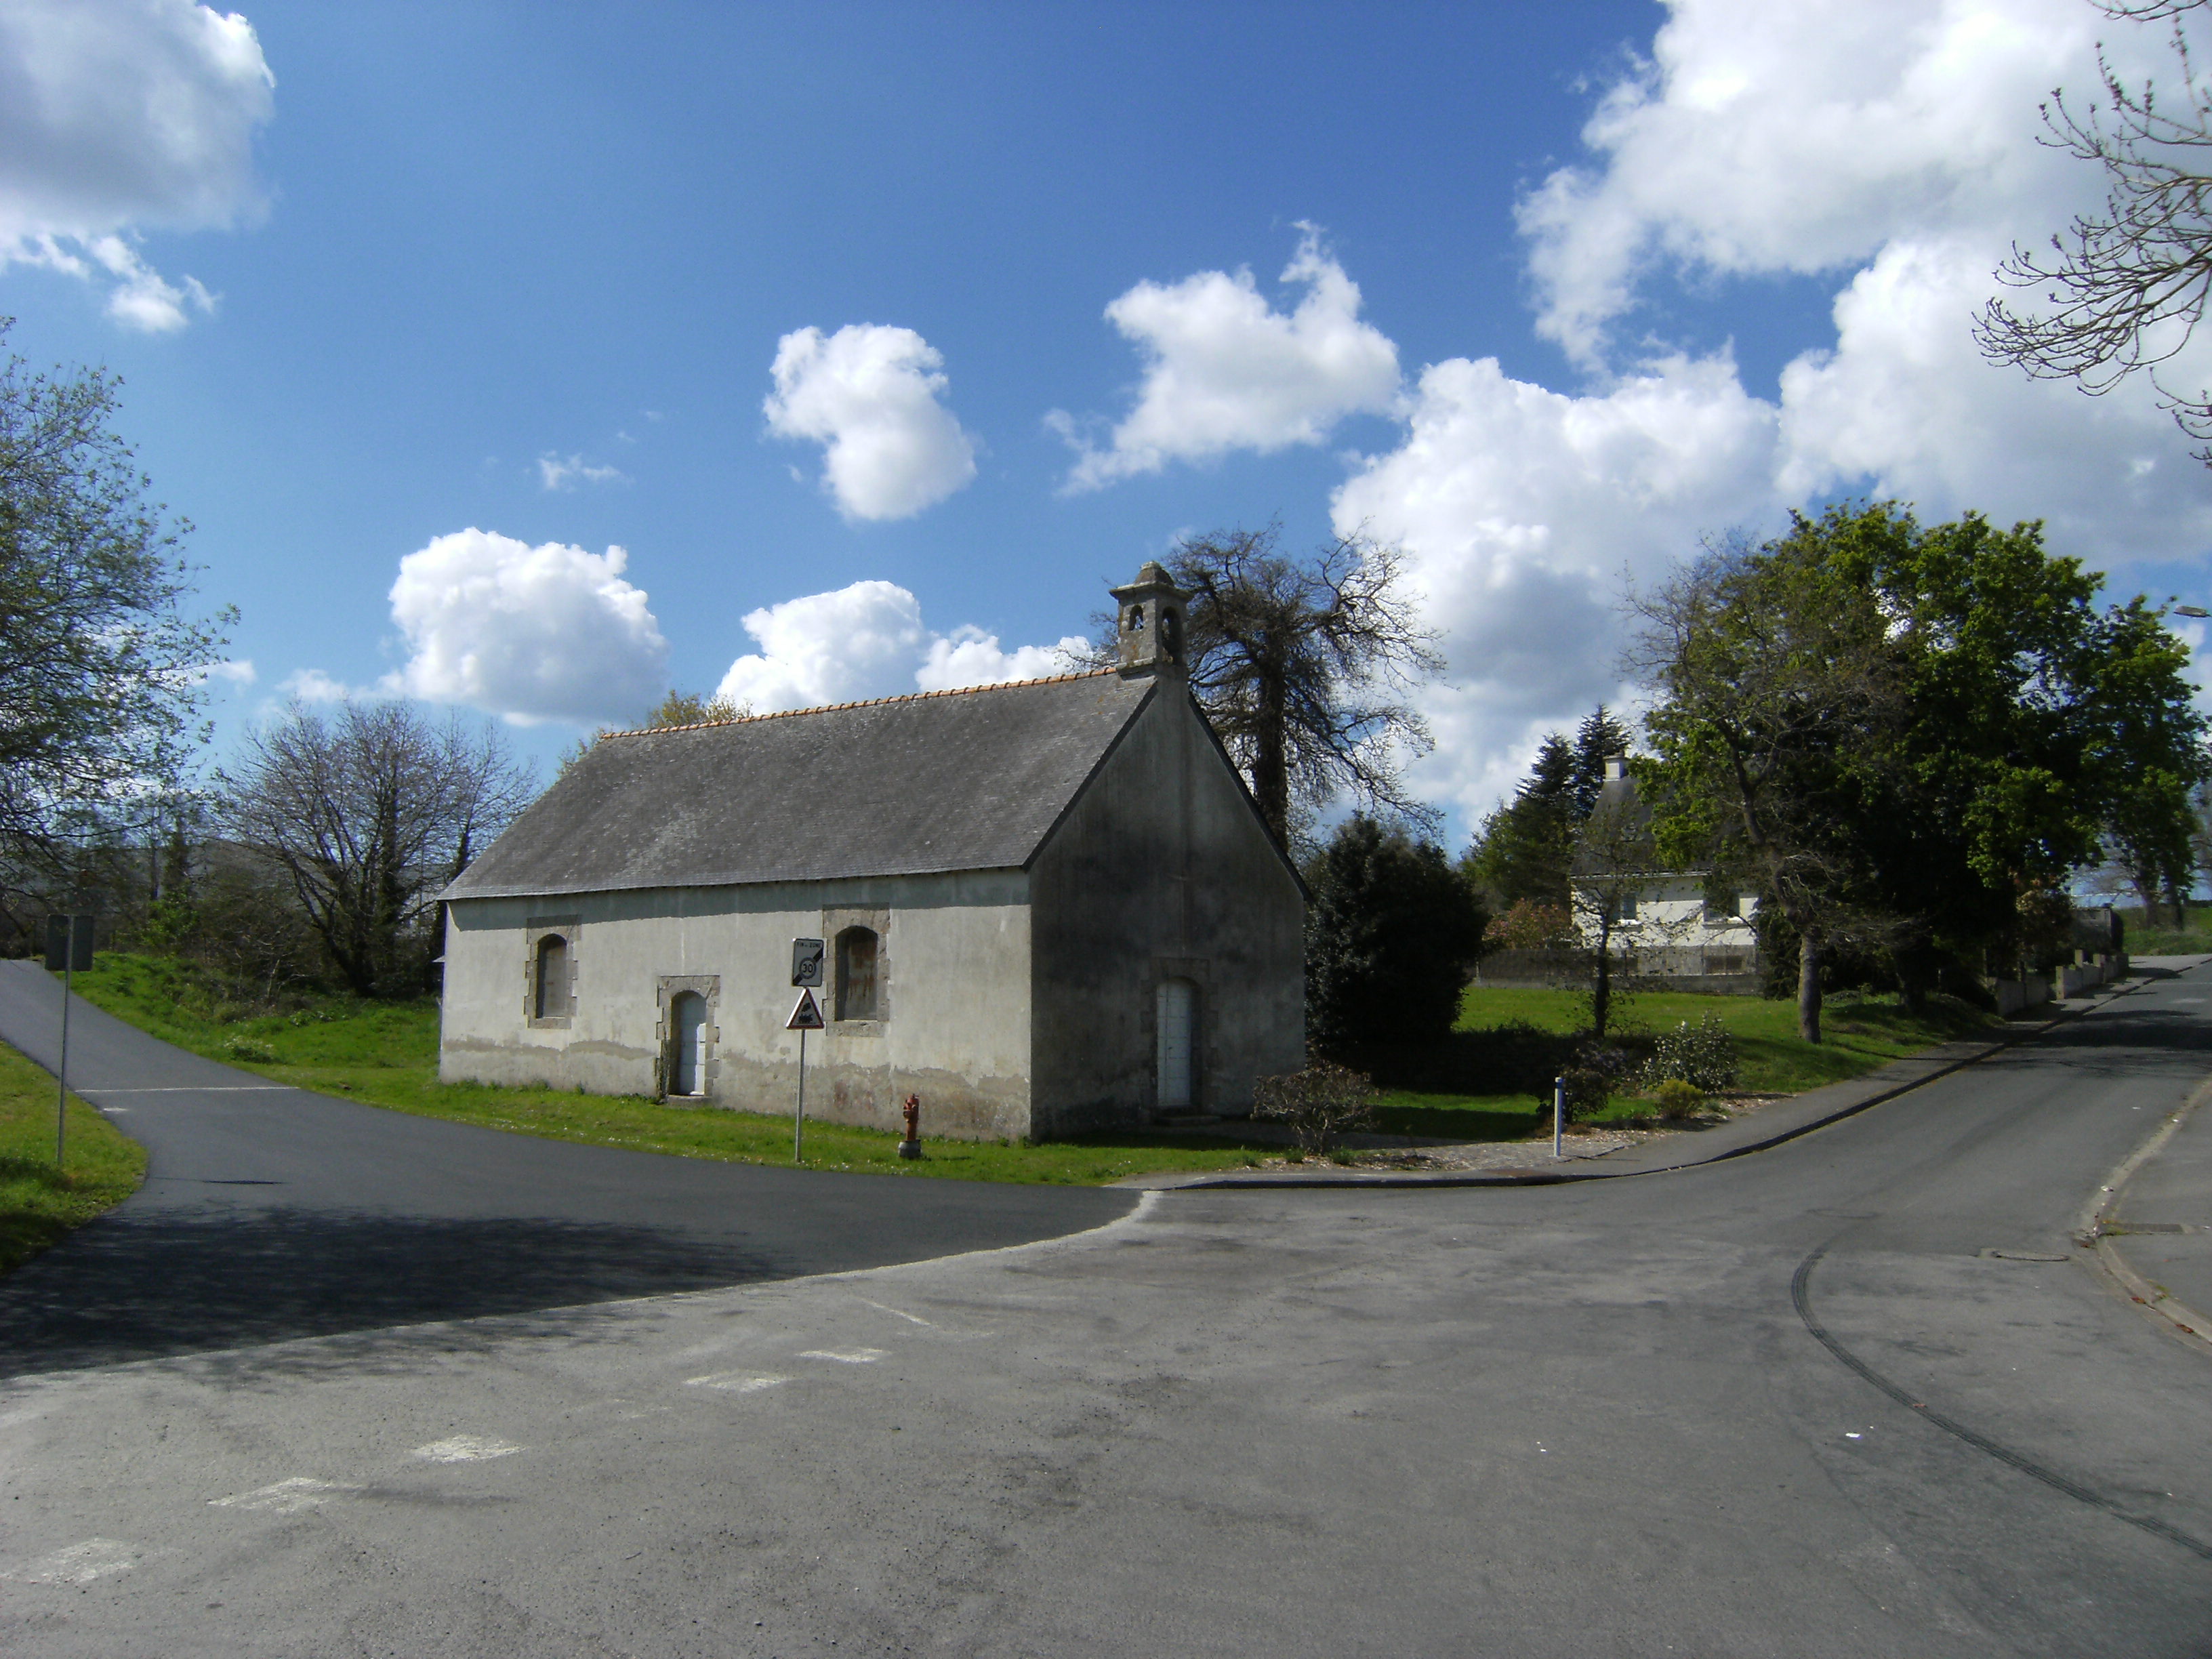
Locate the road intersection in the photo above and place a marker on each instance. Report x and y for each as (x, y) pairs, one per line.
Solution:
(1857, 1394)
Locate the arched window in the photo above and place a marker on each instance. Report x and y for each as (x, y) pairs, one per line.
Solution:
(549, 998)
(859, 989)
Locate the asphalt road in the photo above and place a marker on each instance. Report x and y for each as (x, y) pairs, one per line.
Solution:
(1783, 1405)
(270, 1213)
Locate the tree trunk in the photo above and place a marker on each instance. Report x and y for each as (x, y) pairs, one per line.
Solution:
(1809, 989)
(1271, 759)
(1601, 986)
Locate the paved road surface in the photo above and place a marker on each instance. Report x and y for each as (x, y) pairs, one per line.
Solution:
(271, 1213)
(1781, 1406)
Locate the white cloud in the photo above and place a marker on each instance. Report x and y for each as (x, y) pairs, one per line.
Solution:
(239, 671)
(555, 473)
(119, 114)
(870, 395)
(534, 634)
(868, 641)
(1892, 144)
(1225, 370)
(314, 685)
(968, 656)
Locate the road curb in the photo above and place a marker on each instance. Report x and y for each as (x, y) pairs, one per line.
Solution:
(2193, 1328)
(1857, 1095)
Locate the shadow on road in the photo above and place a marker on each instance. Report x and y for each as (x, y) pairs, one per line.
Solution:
(171, 1282)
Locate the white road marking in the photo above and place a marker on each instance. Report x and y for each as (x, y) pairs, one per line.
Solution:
(286, 1497)
(80, 1564)
(196, 1089)
(735, 1382)
(846, 1355)
(895, 1313)
(465, 1449)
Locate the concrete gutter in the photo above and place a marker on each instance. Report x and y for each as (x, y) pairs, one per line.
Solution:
(1770, 1126)
(2089, 1232)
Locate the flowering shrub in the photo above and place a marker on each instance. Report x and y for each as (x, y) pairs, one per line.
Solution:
(1702, 1056)
(1528, 926)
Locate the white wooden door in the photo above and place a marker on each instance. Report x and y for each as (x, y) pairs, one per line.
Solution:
(1177, 1009)
(688, 1018)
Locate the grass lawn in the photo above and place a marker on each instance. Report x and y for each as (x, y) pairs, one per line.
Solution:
(1487, 1083)
(386, 1053)
(37, 1205)
(1860, 1033)
(2164, 939)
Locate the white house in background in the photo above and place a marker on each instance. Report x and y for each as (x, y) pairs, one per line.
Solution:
(1676, 924)
(1049, 907)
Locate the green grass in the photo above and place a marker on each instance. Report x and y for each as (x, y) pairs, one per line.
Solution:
(38, 1205)
(2145, 940)
(1485, 1084)
(1860, 1033)
(386, 1053)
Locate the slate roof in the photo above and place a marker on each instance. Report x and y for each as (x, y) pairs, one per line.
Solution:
(969, 780)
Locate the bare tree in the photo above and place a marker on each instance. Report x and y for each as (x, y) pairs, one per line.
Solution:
(369, 811)
(1303, 666)
(2125, 287)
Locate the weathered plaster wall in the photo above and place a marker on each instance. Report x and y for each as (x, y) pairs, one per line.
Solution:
(956, 983)
(1161, 869)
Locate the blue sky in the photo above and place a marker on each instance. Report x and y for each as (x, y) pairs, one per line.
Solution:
(1574, 285)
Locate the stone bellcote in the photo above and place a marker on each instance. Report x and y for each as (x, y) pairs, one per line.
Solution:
(1152, 631)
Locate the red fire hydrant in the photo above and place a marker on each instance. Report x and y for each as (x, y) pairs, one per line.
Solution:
(911, 1146)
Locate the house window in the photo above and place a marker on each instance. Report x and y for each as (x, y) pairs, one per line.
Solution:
(859, 990)
(549, 994)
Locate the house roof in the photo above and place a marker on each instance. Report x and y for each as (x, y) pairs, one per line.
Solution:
(967, 780)
(1616, 841)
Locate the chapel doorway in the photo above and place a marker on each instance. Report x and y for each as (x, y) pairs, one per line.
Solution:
(1177, 1011)
(687, 1029)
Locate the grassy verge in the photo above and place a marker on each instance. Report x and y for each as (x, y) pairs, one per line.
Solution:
(39, 1206)
(1490, 1082)
(387, 1054)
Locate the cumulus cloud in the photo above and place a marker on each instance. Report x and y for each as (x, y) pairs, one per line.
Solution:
(1225, 370)
(868, 641)
(1905, 167)
(557, 473)
(532, 634)
(312, 685)
(122, 114)
(870, 397)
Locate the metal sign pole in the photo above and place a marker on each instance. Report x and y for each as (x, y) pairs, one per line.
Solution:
(61, 1078)
(1558, 1111)
(798, 1122)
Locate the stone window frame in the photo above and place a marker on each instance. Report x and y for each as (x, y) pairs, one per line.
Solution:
(535, 931)
(666, 989)
(876, 919)
(1199, 970)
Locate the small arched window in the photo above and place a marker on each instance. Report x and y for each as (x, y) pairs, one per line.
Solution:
(549, 998)
(858, 975)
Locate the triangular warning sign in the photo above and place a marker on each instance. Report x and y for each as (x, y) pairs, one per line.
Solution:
(805, 1014)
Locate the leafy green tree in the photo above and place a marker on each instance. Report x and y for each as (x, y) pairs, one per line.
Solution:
(101, 667)
(1392, 934)
(1902, 730)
